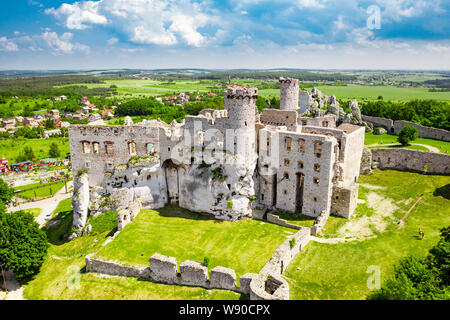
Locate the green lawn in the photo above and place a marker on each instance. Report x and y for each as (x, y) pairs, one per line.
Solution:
(244, 246)
(44, 190)
(11, 148)
(65, 262)
(338, 271)
(371, 138)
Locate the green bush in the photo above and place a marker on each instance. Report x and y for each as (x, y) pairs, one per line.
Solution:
(407, 134)
(206, 261)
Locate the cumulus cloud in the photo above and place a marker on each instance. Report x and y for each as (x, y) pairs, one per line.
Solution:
(79, 15)
(112, 41)
(144, 21)
(63, 43)
(8, 45)
(311, 3)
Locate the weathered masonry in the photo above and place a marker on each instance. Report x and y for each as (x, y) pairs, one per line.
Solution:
(222, 162)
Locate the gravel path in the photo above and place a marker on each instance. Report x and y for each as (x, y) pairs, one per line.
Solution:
(331, 240)
(47, 205)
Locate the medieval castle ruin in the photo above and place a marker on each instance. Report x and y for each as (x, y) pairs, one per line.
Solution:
(224, 162)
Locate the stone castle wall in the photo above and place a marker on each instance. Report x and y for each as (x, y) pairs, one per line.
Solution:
(404, 159)
(424, 132)
(395, 126)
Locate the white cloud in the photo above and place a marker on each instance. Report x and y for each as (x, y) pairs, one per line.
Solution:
(143, 21)
(112, 41)
(63, 43)
(311, 3)
(8, 45)
(438, 48)
(79, 15)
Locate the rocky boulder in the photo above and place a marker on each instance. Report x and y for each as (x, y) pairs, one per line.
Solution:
(379, 130)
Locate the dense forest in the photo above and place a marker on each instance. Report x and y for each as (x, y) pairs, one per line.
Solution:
(51, 86)
(259, 75)
(430, 113)
(154, 109)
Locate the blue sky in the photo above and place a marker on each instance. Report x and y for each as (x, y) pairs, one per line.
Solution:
(316, 34)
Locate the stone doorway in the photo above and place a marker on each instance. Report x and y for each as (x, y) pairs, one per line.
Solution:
(171, 173)
(300, 183)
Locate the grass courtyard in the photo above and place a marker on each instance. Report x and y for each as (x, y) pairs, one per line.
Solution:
(338, 270)
(371, 138)
(244, 246)
(321, 271)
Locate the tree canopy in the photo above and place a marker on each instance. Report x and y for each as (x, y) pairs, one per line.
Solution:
(407, 134)
(23, 246)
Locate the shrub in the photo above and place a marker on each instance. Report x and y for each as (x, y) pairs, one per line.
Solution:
(407, 134)
(230, 204)
(206, 261)
(292, 242)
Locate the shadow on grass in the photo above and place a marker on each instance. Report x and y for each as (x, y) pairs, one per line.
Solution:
(443, 192)
(297, 217)
(56, 234)
(173, 211)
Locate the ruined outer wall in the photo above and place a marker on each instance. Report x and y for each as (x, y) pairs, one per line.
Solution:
(379, 122)
(404, 159)
(119, 136)
(424, 132)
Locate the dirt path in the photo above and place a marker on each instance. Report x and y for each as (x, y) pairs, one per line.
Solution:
(430, 148)
(15, 291)
(331, 240)
(47, 205)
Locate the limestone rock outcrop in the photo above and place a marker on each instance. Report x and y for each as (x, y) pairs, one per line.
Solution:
(80, 200)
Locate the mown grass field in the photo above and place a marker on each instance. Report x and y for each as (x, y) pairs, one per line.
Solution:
(244, 246)
(11, 148)
(339, 271)
(371, 138)
(364, 92)
(62, 276)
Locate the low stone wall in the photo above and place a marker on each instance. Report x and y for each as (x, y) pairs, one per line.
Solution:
(424, 132)
(125, 216)
(164, 269)
(112, 268)
(267, 285)
(320, 222)
(273, 218)
(269, 288)
(284, 254)
(405, 159)
(395, 126)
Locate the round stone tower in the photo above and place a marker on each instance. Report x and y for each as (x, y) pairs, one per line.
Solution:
(240, 103)
(289, 91)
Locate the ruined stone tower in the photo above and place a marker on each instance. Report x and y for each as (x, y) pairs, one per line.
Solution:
(289, 94)
(240, 103)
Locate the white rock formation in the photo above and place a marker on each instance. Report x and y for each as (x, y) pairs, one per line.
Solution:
(80, 200)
